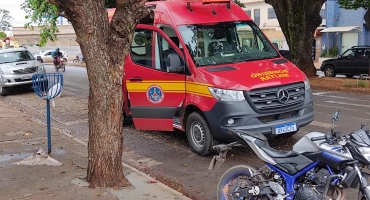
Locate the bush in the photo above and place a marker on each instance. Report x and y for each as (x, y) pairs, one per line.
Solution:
(331, 53)
(363, 83)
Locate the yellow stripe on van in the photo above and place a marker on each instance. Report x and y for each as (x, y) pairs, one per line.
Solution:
(166, 86)
(198, 88)
(171, 86)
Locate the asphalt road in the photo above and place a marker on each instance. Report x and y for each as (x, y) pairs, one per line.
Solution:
(166, 155)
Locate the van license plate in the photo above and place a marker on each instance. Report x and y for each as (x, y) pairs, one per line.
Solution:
(26, 77)
(286, 128)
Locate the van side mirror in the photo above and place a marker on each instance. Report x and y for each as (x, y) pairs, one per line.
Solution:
(174, 63)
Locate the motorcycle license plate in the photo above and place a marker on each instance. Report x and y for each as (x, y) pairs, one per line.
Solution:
(286, 128)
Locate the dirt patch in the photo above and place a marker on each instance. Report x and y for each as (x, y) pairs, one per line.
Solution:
(349, 85)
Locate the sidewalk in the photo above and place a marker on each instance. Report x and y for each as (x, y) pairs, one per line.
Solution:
(21, 137)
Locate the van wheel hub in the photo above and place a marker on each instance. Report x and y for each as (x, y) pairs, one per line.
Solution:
(197, 134)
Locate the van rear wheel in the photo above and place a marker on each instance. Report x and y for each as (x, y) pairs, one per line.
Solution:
(199, 134)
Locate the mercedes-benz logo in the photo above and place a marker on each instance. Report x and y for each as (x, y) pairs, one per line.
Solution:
(282, 96)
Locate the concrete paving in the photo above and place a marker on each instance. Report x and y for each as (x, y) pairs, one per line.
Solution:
(21, 137)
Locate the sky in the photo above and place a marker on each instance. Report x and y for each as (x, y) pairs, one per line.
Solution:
(14, 7)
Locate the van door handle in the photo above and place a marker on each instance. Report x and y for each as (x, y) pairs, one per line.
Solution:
(136, 79)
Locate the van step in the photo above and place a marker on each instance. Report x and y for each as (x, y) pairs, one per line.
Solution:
(177, 123)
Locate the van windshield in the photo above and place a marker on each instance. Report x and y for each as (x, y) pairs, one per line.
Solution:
(226, 42)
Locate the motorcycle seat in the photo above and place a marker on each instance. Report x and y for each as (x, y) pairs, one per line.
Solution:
(279, 154)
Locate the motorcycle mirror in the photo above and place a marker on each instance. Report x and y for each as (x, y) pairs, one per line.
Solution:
(336, 116)
(363, 125)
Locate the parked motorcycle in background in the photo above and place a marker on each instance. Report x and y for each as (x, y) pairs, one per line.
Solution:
(320, 166)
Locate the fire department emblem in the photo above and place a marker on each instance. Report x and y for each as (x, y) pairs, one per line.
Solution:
(155, 94)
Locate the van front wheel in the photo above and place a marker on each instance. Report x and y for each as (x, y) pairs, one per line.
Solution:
(199, 134)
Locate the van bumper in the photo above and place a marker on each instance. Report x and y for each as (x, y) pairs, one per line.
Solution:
(247, 119)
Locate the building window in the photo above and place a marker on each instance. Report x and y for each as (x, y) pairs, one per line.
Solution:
(323, 13)
(257, 16)
(249, 13)
(271, 14)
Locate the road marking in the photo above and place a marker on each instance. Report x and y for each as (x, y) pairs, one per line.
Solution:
(320, 124)
(338, 97)
(320, 93)
(327, 106)
(349, 104)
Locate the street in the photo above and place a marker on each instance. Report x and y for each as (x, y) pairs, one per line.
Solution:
(167, 155)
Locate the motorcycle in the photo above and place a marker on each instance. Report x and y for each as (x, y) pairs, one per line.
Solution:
(318, 167)
(60, 64)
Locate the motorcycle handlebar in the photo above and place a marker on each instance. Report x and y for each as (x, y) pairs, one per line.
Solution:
(318, 138)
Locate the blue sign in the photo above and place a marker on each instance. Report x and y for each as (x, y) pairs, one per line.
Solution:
(155, 94)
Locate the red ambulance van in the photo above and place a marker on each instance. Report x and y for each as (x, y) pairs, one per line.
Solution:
(204, 67)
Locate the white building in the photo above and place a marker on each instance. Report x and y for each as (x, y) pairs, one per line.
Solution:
(264, 16)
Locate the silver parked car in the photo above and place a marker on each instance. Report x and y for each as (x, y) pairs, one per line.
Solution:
(17, 66)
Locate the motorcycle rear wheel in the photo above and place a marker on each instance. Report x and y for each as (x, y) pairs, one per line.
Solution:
(64, 67)
(240, 173)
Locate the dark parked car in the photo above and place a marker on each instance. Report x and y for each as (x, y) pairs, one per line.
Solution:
(354, 61)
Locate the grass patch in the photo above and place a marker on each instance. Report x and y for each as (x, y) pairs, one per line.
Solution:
(360, 83)
(340, 84)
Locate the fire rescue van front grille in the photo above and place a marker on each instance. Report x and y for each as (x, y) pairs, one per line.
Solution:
(278, 98)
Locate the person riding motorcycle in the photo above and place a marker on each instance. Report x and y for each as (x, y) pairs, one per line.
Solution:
(57, 54)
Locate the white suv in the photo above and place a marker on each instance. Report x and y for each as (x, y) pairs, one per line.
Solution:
(17, 66)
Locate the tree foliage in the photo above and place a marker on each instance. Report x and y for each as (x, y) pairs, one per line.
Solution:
(5, 18)
(110, 3)
(354, 4)
(45, 15)
(239, 3)
(3, 35)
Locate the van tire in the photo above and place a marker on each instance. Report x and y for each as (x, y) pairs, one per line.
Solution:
(199, 134)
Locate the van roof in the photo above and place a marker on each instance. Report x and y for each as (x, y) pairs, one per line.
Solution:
(177, 12)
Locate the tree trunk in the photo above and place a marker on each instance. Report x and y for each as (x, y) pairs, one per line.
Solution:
(298, 21)
(104, 47)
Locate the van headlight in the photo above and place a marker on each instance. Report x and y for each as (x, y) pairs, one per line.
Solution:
(307, 84)
(365, 151)
(6, 71)
(226, 95)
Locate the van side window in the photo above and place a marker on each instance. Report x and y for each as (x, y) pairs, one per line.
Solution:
(163, 49)
(141, 48)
